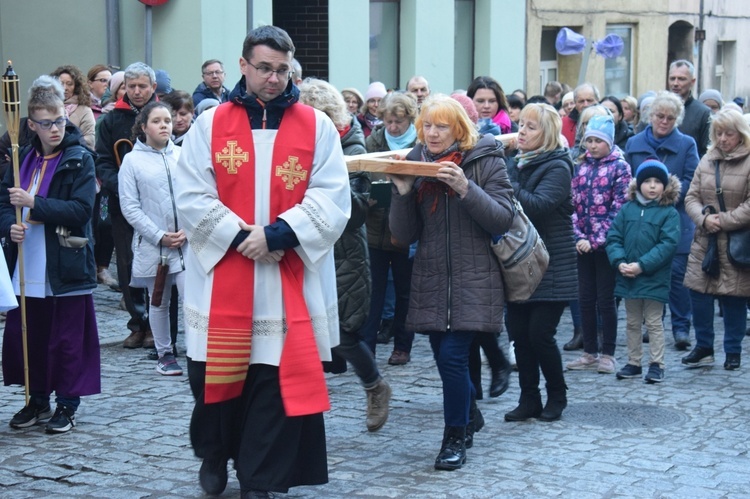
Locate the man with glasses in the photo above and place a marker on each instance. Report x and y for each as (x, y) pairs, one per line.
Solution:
(212, 86)
(263, 196)
(113, 136)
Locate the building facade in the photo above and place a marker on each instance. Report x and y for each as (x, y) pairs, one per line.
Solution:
(353, 42)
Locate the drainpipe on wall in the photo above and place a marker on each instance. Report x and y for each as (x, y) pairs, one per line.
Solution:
(149, 44)
(700, 49)
(113, 33)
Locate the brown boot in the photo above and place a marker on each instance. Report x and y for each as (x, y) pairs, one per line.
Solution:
(378, 398)
(148, 340)
(135, 340)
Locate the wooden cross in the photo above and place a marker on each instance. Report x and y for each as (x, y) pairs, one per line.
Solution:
(230, 158)
(291, 172)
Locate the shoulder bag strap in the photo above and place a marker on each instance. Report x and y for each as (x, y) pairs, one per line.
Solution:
(719, 192)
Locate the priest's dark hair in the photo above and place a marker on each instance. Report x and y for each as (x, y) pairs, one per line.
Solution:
(142, 118)
(46, 94)
(272, 36)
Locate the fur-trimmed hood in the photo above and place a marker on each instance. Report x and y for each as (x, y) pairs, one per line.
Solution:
(671, 194)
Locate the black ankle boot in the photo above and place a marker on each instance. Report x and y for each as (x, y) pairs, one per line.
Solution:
(557, 401)
(576, 343)
(476, 423)
(453, 452)
(529, 406)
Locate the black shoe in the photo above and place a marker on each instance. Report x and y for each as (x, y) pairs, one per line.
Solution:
(453, 451)
(655, 374)
(700, 356)
(152, 354)
(528, 407)
(557, 401)
(576, 343)
(31, 415)
(629, 371)
(255, 494)
(63, 420)
(732, 362)
(681, 341)
(386, 332)
(500, 382)
(645, 337)
(213, 476)
(476, 423)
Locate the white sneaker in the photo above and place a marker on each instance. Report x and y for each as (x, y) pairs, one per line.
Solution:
(584, 362)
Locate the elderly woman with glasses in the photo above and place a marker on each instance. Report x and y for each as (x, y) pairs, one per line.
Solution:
(663, 141)
(456, 289)
(729, 158)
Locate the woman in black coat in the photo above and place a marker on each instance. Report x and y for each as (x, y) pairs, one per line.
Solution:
(541, 174)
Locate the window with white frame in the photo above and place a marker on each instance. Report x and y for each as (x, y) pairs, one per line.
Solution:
(384, 41)
(548, 58)
(724, 68)
(618, 71)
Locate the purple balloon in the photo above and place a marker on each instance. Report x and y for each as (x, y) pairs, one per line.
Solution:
(568, 42)
(610, 47)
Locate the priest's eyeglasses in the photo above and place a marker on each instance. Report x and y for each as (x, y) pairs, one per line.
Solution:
(265, 71)
(47, 124)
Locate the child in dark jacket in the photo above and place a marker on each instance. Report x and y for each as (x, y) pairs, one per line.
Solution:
(640, 245)
(56, 196)
(599, 190)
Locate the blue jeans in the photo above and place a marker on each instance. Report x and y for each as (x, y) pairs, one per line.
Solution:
(735, 320)
(380, 263)
(42, 399)
(451, 351)
(679, 297)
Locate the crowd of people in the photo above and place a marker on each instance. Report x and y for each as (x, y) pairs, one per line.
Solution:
(237, 202)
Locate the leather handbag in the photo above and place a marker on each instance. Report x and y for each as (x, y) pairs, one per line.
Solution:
(710, 264)
(523, 257)
(162, 269)
(738, 241)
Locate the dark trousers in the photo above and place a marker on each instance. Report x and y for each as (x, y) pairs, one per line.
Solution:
(735, 320)
(451, 352)
(532, 326)
(401, 265)
(596, 293)
(680, 305)
(135, 298)
(495, 358)
(359, 355)
(271, 452)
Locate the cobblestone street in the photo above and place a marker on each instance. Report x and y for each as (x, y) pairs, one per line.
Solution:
(687, 437)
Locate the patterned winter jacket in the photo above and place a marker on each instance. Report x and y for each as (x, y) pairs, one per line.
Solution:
(600, 188)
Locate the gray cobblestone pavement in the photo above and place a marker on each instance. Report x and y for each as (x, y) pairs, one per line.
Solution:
(687, 437)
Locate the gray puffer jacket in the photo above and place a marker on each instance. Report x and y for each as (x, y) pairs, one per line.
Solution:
(456, 283)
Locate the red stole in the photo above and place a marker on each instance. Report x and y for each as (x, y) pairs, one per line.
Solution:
(302, 383)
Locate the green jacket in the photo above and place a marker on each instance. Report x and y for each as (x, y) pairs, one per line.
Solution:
(647, 234)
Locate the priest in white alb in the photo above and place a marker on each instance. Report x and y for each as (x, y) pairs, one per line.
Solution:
(263, 191)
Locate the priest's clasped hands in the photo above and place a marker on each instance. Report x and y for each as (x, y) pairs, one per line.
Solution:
(255, 247)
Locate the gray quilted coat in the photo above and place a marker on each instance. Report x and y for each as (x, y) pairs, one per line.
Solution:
(456, 283)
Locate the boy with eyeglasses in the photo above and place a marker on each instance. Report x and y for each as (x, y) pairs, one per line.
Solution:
(56, 195)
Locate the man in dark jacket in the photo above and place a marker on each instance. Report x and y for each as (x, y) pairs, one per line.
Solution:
(695, 123)
(212, 86)
(140, 84)
(584, 95)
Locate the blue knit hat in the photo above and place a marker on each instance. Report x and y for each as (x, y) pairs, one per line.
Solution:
(651, 168)
(163, 82)
(601, 127)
